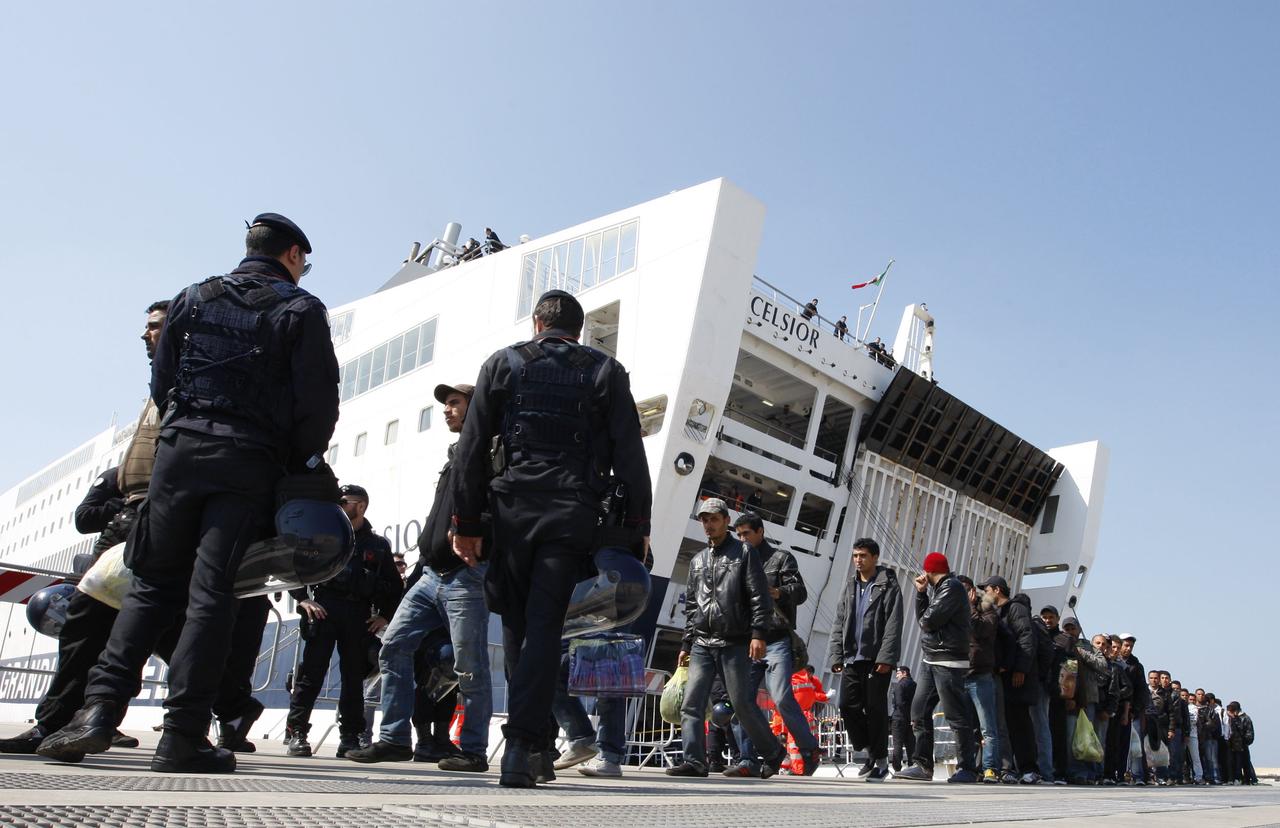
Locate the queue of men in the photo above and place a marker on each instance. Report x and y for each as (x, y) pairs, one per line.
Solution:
(1016, 686)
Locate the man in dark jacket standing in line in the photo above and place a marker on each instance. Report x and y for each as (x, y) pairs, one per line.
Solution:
(447, 594)
(902, 694)
(1136, 716)
(727, 608)
(247, 382)
(1023, 691)
(980, 683)
(337, 613)
(865, 644)
(787, 590)
(567, 420)
(942, 610)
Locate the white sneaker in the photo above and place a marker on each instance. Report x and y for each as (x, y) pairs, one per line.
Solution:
(576, 755)
(601, 767)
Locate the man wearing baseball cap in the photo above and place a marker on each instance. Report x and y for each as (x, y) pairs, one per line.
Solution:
(942, 611)
(727, 608)
(443, 592)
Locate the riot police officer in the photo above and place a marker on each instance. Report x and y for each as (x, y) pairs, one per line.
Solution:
(337, 612)
(566, 417)
(247, 382)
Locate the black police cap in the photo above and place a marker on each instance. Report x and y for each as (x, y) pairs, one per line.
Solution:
(284, 225)
(358, 492)
(558, 294)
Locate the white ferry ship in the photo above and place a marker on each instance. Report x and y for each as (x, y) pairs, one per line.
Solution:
(740, 395)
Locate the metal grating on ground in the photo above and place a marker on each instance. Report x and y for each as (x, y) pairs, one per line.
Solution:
(121, 816)
(861, 813)
(232, 784)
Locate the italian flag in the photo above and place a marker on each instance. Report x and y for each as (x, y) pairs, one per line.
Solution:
(874, 281)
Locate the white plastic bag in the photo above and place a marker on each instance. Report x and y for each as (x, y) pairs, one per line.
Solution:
(108, 579)
(1135, 745)
(1158, 758)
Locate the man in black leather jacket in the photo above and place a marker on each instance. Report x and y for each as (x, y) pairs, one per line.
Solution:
(727, 608)
(787, 589)
(942, 610)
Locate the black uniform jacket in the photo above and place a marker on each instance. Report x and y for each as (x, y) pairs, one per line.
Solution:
(612, 400)
(313, 372)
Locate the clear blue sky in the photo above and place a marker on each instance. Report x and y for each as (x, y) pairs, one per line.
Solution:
(1085, 195)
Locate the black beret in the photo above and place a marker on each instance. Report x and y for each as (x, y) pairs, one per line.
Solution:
(558, 294)
(358, 492)
(284, 225)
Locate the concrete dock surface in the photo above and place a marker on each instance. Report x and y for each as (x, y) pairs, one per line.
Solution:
(117, 789)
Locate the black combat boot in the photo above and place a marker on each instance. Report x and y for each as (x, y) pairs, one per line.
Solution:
(25, 742)
(183, 753)
(542, 763)
(234, 734)
(516, 768)
(89, 731)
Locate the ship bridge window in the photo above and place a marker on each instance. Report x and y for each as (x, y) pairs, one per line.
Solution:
(361, 440)
(340, 327)
(745, 490)
(652, 413)
(814, 513)
(577, 264)
(424, 418)
(833, 430)
(394, 358)
(393, 431)
(600, 329)
(770, 400)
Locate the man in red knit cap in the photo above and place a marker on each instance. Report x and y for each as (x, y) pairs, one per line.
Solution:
(942, 610)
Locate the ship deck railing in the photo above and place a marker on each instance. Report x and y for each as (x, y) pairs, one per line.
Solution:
(763, 425)
(781, 297)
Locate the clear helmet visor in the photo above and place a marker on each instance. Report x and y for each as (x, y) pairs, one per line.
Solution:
(612, 598)
(313, 543)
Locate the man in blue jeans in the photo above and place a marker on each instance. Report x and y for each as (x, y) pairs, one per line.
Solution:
(787, 589)
(727, 608)
(451, 594)
(942, 611)
(980, 683)
(605, 746)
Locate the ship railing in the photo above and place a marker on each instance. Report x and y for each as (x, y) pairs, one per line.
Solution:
(780, 296)
(818, 532)
(831, 456)
(738, 505)
(761, 424)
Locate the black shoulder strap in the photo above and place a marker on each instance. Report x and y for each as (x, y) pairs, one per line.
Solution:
(211, 288)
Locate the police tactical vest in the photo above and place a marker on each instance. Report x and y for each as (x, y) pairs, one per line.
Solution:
(550, 415)
(135, 472)
(231, 365)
